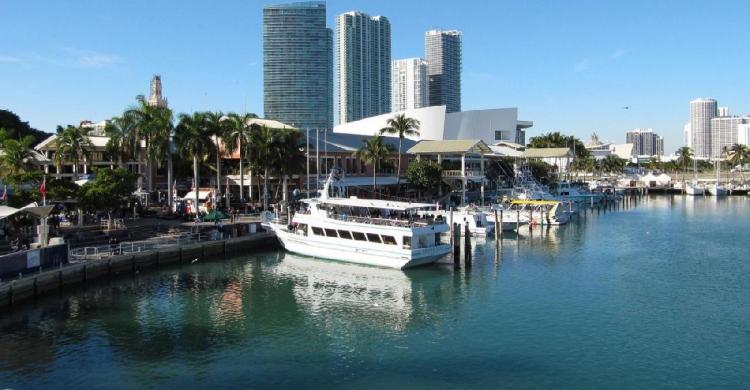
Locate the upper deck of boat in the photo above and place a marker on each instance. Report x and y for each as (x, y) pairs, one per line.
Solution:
(370, 203)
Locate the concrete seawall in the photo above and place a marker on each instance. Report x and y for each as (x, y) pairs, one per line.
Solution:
(46, 282)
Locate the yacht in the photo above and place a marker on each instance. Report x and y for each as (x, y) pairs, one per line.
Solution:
(695, 188)
(479, 225)
(567, 191)
(511, 220)
(375, 232)
(547, 212)
(717, 189)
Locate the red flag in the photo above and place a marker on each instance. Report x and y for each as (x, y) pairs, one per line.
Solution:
(43, 187)
(5, 193)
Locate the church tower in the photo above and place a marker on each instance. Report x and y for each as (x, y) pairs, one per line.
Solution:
(156, 98)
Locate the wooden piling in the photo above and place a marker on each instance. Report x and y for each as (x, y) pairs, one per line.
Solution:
(498, 227)
(467, 245)
(501, 224)
(456, 243)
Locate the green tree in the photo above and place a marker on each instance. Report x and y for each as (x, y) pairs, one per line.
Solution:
(109, 191)
(402, 126)
(737, 155)
(73, 144)
(217, 126)
(239, 133)
(558, 140)
(16, 158)
(264, 143)
(287, 157)
(61, 190)
(424, 175)
(17, 129)
(122, 143)
(372, 152)
(685, 157)
(193, 139)
(153, 125)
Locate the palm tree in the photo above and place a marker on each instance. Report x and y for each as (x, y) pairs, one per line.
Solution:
(371, 153)
(73, 144)
(403, 126)
(217, 127)
(239, 133)
(16, 157)
(287, 157)
(685, 157)
(263, 144)
(153, 125)
(737, 155)
(121, 142)
(193, 139)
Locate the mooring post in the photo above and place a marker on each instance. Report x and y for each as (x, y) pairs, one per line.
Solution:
(518, 219)
(498, 227)
(450, 222)
(501, 224)
(456, 243)
(467, 245)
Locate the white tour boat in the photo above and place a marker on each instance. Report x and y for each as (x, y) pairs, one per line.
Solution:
(365, 231)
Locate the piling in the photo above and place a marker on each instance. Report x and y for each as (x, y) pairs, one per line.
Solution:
(467, 245)
(456, 238)
(501, 223)
(518, 219)
(498, 227)
(450, 223)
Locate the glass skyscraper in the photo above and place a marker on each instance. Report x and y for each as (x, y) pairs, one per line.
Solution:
(443, 55)
(363, 56)
(298, 65)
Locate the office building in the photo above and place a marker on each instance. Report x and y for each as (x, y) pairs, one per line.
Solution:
(298, 65)
(645, 142)
(363, 71)
(701, 113)
(722, 111)
(687, 136)
(743, 134)
(409, 88)
(443, 56)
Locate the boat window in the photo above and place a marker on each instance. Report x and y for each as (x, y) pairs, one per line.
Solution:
(372, 237)
(331, 233)
(388, 240)
(359, 236)
(407, 242)
(345, 234)
(317, 231)
(437, 239)
(302, 228)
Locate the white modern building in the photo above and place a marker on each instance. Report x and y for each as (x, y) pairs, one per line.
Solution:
(443, 55)
(687, 135)
(363, 66)
(743, 134)
(725, 133)
(701, 112)
(490, 126)
(409, 84)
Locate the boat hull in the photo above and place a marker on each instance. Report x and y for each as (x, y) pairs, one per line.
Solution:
(695, 191)
(396, 258)
(717, 191)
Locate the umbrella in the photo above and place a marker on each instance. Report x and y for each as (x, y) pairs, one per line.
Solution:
(214, 216)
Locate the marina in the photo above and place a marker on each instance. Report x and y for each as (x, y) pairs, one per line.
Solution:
(575, 305)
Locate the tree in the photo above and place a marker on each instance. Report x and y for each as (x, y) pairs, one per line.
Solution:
(403, 126)
(73, 144)
(193, 139)
(17, 129)
(558, 140)
(287, 157)
(372, 152)
(612, 164)
(121, 144)
(685, 158)
(153, 125)
(218, 128)
(109, 191)
(16, 159)
(239, 134)
(264, 148)
(424, 175)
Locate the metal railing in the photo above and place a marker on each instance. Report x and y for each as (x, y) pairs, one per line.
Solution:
(159, 242)
(459, 173)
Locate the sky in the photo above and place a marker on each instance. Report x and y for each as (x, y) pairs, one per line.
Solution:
(569, 66)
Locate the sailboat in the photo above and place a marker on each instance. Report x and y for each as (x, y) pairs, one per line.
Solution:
(695, 188)
(717, 189)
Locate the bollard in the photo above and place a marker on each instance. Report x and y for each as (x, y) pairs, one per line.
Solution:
(501, 223)
(456, 243)
(467, 245)
(498, 227)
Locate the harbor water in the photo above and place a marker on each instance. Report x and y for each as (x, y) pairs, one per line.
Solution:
(651, 296)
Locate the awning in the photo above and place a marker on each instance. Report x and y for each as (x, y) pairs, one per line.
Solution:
(202, 195)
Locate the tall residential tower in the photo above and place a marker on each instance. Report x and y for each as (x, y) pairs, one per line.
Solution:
(363, 72)
(410, 84)
(701, 113)
(443, 55)
(298, 65)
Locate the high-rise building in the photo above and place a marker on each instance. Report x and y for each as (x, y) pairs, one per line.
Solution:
(409, 88)
(687, 135)
(298, 65)
(701, 113)
(155, 98)
(722, 111)
(363, 71)
(443, 55)
(645, 142)
(743, 134)
(725, 133)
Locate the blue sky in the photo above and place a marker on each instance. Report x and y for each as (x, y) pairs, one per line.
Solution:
(568, 66)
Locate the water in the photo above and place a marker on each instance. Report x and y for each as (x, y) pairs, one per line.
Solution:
(656, 296)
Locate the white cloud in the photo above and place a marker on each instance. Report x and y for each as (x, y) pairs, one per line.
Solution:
(98, 60)
(582, 66)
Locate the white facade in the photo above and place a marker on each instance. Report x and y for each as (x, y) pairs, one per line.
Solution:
(722, 111)
(409, 86)
(725, 133)
(491, 126)
(743, 134)
(701, 113)
(363, 71)
(687, 135)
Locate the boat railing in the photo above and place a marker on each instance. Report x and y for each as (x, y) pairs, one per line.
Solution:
(413, 223)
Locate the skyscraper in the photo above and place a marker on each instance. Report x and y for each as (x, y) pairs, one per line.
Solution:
(701, 113)
(156, 98)
(297, 65)
(645, 142)
(443, 55)
(725, 132)
(409, 84)
(363, 72)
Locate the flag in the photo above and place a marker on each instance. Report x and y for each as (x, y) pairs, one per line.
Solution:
(174, 189)
(43, 190)
(5, 193)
